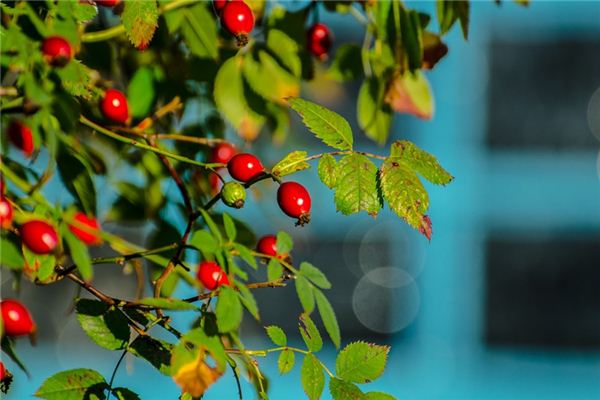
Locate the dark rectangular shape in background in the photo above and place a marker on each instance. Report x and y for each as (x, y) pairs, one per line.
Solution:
(543, 292)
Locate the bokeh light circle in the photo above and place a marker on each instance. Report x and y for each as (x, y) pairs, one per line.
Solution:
(386, 300)
(593, 114)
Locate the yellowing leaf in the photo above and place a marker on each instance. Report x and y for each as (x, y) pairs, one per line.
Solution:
(140, 19)
(410, 93)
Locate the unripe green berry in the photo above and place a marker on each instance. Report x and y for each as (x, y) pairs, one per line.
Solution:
(233, 194)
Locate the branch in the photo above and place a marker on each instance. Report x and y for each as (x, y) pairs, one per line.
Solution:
(257, 285)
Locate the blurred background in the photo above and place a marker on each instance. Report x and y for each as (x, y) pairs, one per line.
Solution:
(504, 302)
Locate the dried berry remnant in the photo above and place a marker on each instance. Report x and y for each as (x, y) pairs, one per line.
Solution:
(16, 319)
(39, 236)
(114, 106)
(57, 51)
(211, 275)
(233, 194)
(237, 18)
(6, 213)
(245, 167)
(87, 236)
(294, 200)
(21, 137)
(319, 40)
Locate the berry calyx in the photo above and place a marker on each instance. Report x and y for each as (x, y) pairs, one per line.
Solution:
(222, 153)
(233, 194)
(211, 275)
(39, 236)
(16, 319)
(267, 245)
(21, 137)
(107, 3)
(219, 5)
(114, 106)
(319, 40)
(87, 236)
(238, 19)
(6, 213)
(244, 167)
(57, 51)
(294, 201)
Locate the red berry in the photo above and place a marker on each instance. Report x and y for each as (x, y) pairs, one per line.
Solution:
(238, 19)
(294, 200)
(57, 51)
(16, 319)
(222, 153)
(114, 106)
(107, 3)
(39, 236)
(6, 213)
(215, 182)
(2, 371)
(211, 275)
(88, 237)
(219, 4)
(244, 167)
(319, 40)
(20, 135)
(267, 245)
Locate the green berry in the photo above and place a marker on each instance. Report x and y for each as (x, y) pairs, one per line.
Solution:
(233, 194)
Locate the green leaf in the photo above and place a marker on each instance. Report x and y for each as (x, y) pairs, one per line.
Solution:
(327, 125)
(361, 362)
(75, 79)
(212, 226)
(286, 50)
(140, 19)
(246, 255)
(229, 225)
(168, 304)
(312, 377)
(76, 174)
(314, 275)
(229, 310)
(305, 294)
(141, 92)
(106, 326)
(342, 390)
(268, 79)
(274, 270)
(284, 242)
(405, 193)
(373, 115)
(157, 352)
(231, 101)
(122, 393)
(356, 187)
(450, 11)
(248, 300)
(83, 12)
(7, 345)
(74, 384)
(79, 253)
(420, 161)
(199, 30)
(204, 241)
(379, 396)
(286, 361)
(291, 163)
(11, 256)
(328, 170)
(347, 63)
(310, 333)
(188, 348)
(412, 38)
(277, 335)
(328, 317)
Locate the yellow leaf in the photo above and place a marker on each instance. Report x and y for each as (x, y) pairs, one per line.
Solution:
(196, 376)
(410, 93)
